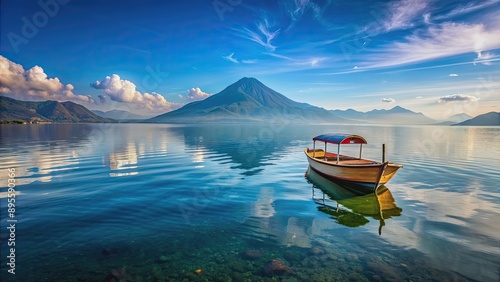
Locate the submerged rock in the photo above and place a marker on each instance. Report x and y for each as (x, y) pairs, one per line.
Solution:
(163, 259)
(315, 251)
(118, 275)
(107, 251)
(383, 269)
(276, 267)
(252, 255)
(294, 256)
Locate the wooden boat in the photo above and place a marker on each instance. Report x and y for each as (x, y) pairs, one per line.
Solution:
(348, 208)
(365, 175)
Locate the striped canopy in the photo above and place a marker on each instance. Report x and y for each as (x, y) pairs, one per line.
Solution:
(340, 138)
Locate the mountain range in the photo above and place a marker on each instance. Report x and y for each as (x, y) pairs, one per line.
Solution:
(396, 115)
(491, 118)
(46, 111)
(119, 115)
(248, 100)
(245, 100)
(454, 119)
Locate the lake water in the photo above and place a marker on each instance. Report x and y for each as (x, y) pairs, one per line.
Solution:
(155, 202)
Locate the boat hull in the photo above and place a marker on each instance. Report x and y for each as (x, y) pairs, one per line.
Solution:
(365, 177)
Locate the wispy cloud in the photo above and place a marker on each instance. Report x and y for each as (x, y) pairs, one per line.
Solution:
(458, 98)
(34, 84)
(401, 91)
(125, 91)
(439, 41)
(397, 15)
(231, 58)
(313, 62)
(388, 100)
(289, 65)
(249, 61)
(427, 18)
(297, 9)
(453, 74)
(280, 56)
(485, 58)
(263, 36)
(403, 13)
(468, 8)
(300, 60)
(430, 67)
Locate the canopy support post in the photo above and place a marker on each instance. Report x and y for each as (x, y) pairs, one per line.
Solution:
(325, 151)
(360, 150)
(314, 149)
(338, 153)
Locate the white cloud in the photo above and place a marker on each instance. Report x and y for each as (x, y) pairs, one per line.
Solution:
(402, 14)
(427, 18)
(124, 91)
(279, 56)
(388, 100)
(312, 62)
(195, 94)
(453, 74)
(397, 15)
(470, 7)
(35, 85)
(457, 98)
(315, 61)
(263, 36)
(297, 9)
(231, 58)
(484, 58)
(440, 41)
(249, 61)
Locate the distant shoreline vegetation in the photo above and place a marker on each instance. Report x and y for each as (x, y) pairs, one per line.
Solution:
(14, 111)
(16, 121)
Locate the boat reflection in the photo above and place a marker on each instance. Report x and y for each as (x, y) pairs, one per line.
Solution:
(349, 208)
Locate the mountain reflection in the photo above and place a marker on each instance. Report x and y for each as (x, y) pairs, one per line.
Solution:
(250, 147)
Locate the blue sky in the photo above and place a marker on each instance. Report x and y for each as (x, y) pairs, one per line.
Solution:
(436, 57)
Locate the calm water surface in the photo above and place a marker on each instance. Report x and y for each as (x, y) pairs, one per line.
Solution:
(134, 202)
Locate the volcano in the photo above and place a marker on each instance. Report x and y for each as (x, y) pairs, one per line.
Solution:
(248, 100)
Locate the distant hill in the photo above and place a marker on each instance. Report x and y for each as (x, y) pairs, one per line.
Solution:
(119, 115)
(47, 111)
(456, 119)
(248, 100)
(396, 115)
(488, 119)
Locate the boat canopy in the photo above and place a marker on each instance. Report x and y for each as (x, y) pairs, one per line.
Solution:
(339, 138)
